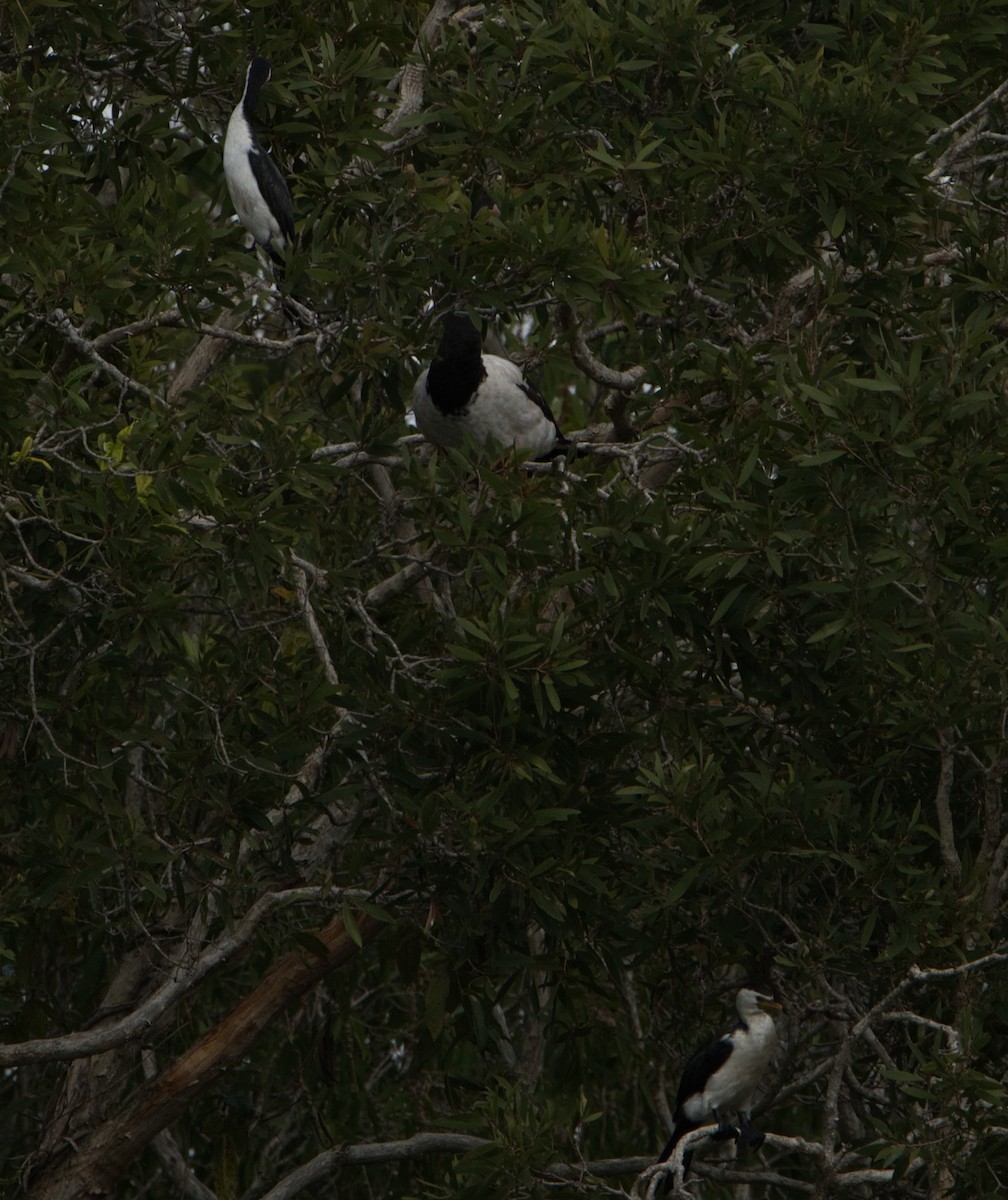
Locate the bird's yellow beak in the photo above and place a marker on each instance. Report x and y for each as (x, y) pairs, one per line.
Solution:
(769, 1006)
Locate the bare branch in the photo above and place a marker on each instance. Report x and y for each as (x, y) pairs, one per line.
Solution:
(398, 583)
(140, 1021)
(311, 622)
(952, 1034)
(589, 364)
(59, 320)
(972, 124)
(370, 1154)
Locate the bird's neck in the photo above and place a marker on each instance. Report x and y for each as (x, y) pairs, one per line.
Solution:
(759, 1028)
(250, 100)
(452, 381)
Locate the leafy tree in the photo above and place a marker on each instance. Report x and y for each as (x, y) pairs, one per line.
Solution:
(403, 819)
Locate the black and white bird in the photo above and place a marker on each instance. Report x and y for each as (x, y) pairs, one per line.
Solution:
(721, 1079)
(258, 190)
(465, 391)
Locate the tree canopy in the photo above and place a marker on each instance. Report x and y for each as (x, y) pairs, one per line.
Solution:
(383, 819)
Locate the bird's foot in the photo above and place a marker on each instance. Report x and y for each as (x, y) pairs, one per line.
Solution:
(724, 1133)
(750, 1138)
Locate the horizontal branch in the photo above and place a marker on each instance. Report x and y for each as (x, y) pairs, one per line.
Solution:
(420, 1145)
(94, 1041)
(660, 445)
(368, 1154)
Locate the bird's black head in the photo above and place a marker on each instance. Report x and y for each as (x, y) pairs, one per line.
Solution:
(460, 339)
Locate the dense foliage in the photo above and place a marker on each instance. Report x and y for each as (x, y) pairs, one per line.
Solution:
(565, 752)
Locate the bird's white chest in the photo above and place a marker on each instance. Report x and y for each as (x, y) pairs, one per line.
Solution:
(499, 410)
(246, 196)
(732, 1086)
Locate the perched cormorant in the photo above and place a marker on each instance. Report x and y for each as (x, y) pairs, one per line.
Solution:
(257, 188)
(722, 1078)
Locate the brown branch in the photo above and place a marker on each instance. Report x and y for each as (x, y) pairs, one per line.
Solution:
(201, 361)
(99, 1163)
(398, 583)
(586, 362)
(992, 810)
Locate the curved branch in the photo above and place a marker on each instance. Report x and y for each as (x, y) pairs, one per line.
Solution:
(370, 1154)
(137, 1023)
(584, 360)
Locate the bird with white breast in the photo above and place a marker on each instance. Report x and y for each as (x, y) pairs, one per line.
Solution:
(259, 192)
(722, 1078)
(466, 392)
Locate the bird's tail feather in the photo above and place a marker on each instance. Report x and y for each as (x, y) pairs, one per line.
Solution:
(680, 1131)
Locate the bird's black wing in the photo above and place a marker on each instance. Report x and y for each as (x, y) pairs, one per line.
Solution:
(700, 1067)
(274, 190)
(562, 443)
(536, 396)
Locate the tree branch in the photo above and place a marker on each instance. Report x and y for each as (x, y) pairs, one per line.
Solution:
(943, 794)
(583, 358)
(103, 1157)
(370, 1154)
(139, 1022)
(62, 322)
